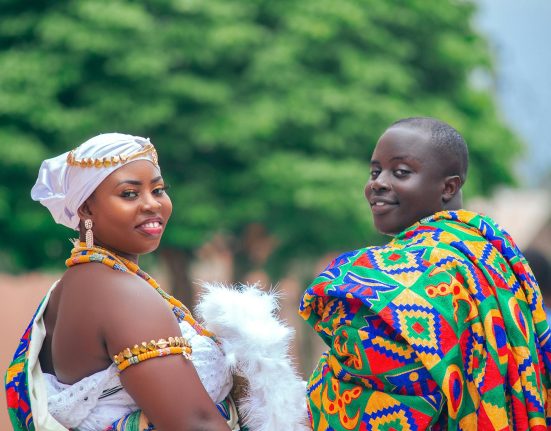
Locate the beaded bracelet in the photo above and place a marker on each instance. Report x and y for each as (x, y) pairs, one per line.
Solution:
(153, 349)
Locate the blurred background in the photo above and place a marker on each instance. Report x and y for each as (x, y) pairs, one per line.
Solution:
(264, 114)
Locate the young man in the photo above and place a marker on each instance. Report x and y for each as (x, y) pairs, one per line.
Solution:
(442, 328)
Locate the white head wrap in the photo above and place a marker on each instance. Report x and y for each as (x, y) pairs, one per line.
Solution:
(63, 187)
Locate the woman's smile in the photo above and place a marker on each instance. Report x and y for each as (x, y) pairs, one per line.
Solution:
(152, 227)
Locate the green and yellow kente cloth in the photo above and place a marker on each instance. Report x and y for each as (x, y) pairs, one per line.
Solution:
(442, 328)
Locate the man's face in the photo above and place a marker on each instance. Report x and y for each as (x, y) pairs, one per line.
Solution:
(406, 182)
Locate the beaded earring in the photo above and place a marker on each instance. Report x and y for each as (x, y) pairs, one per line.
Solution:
(89, 234)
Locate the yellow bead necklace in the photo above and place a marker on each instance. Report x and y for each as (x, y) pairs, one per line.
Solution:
(82, 254)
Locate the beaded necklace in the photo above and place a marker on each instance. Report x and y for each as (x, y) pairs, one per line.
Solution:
(82, 254)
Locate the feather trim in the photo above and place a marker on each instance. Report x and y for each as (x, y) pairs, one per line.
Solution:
(256, 345)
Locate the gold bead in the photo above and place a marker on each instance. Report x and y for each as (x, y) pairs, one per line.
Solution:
(97, 163)
(135, 350)
(127, 353)
(151, 345)
(106, 162)
(115, 160)
(143, 347)
(162, 343)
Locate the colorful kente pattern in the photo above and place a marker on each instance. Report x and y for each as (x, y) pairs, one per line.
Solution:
(17, 393)
(135, 421)
(442, 328)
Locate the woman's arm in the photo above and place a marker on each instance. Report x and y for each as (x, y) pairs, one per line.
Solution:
(167, 388)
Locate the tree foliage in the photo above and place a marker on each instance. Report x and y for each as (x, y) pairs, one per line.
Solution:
(262, 111)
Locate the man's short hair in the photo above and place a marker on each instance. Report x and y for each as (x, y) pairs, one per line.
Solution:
(447, 141)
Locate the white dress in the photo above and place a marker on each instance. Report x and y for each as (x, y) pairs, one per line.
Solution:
(96, 401)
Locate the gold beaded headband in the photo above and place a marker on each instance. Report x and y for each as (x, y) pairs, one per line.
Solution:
(107, 162)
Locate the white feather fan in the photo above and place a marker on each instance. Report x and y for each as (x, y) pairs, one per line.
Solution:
(256, 344)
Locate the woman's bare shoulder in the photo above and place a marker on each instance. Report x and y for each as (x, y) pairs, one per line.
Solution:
(109, 297)
(128, 307)
(98, 281)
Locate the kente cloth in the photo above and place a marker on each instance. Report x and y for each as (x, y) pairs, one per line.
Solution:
(17, 385)
(442, 328)
(135, 421)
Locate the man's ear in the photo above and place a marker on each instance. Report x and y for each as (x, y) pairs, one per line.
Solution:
(452, 185)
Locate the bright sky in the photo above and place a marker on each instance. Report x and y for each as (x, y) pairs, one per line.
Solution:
(520, 34)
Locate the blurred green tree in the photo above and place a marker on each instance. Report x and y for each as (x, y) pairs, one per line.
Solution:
(264, 112)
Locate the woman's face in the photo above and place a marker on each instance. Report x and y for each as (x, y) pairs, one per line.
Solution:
(129, 209)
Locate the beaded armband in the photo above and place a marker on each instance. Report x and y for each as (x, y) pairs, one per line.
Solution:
(153, 349)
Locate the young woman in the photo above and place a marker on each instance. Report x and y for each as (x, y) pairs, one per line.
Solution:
(108, 348)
